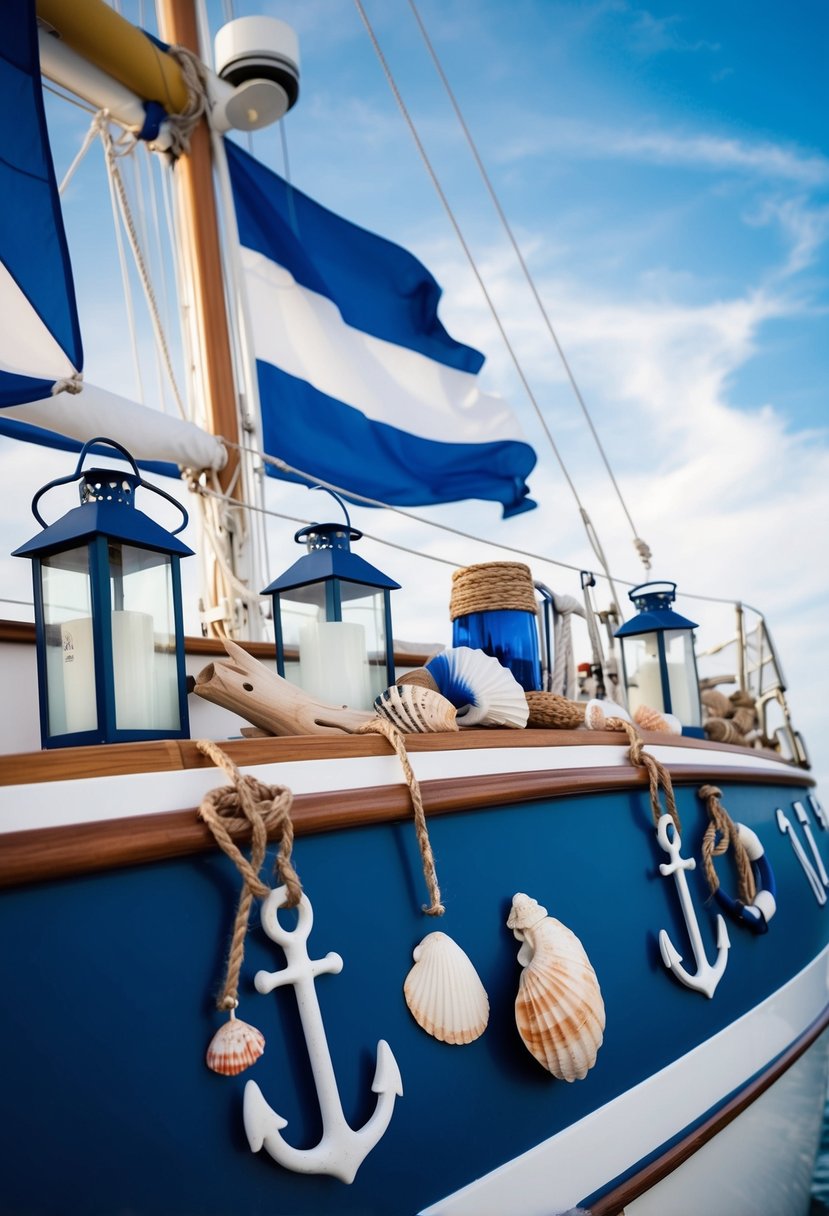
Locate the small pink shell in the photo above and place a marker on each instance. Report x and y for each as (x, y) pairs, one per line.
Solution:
(652, 719)
(234, 1047)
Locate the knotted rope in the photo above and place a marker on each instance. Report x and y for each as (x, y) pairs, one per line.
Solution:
(381, 726)
(550, 709)
(722, 826)
(492, 585)
(264, 809)
(658, 775)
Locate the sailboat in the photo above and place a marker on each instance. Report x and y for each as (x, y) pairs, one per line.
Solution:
(521, 949)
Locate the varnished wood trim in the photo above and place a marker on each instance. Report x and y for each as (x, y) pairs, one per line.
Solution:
(63, 764)
(46, 853)
(613, 1203)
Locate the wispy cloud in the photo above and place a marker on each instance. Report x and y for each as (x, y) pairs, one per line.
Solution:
(664, 147)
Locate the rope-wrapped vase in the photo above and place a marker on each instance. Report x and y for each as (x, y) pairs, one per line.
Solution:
(493, 608)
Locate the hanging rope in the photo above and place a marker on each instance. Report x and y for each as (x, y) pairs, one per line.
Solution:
(247, 804)
(381, 726)
(658, 775)
(720, 836)
(640, 545)
(478, 277)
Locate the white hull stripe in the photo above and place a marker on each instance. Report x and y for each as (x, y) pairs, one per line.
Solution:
(555, 1175)
(94, 799)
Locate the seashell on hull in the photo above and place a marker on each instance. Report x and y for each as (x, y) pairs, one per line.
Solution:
(416, 710)
(234, 1047)
(484, 692)
(444, 993)
(559, 1009)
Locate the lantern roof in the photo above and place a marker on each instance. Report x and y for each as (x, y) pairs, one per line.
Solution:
(655, 612)
(330, 557)
(115, 520)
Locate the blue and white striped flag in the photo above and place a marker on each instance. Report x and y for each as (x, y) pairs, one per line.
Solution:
(40, 341)
(360, 384)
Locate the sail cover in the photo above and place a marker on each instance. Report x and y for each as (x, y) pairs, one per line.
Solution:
(43, 346)
(360, 384)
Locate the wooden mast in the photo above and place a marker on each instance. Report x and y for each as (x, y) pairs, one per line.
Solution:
(201, 229)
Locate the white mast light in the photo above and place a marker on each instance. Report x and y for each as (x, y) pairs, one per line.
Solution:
(259, 57)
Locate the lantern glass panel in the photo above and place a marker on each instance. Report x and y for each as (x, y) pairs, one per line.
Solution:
(69, 650)
(145, 668)
(644, 682)
(365, 608)
(682, 676)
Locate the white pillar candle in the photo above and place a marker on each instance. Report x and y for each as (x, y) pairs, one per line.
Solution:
(646, 686)
(78, 670)
(133, 652)
(333, 664)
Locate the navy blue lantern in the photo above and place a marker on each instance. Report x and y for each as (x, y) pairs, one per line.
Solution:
(108, 618)
(658, 659)
(332, 613)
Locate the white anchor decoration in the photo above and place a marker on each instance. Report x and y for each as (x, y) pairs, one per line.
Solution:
(817, 877)
(707, 975)
(341, 1150)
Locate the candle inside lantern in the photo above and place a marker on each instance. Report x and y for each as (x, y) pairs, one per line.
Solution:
(333, 664)
(132, 656)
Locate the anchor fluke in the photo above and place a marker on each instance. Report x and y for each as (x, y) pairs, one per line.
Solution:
(387, 1079)
(260, 1118)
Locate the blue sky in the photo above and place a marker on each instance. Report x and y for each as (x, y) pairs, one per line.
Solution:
(665, 170)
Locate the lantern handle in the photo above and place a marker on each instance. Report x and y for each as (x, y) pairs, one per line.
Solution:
(61, 481)
(339, 500)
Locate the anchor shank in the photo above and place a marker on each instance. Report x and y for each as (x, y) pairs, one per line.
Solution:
(321, 1064)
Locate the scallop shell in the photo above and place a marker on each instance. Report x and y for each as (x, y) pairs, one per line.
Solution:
(234, 1047)
(559, 1009)
(652, 719)
(416, 710)
(444, 993)
(596, 714)
(484, 691)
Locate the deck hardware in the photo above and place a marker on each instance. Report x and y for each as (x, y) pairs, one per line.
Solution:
(809, 870)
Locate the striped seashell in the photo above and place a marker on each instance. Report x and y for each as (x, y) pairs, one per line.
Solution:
(484, 692)
(444, 993)
(559, 1009)
(418, 675)
(652, 719)
(234, 1047)
(416, 710)
(596, 714)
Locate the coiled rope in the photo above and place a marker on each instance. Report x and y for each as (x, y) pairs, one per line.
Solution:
(230, 810)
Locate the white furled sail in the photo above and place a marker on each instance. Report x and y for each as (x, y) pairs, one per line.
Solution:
(148, 434)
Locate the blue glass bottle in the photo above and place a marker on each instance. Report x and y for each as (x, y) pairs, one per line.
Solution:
(509, 634)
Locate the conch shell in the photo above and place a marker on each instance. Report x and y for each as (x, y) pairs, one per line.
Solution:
(234, 1047)
(444, 993)
(559, 1009)
(416, 709)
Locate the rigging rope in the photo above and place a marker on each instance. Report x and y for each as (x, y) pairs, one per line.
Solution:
(474, 267)
(640, 545)
(362, 499)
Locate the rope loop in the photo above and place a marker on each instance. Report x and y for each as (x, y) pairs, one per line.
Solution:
(658, 775)
(381, 726)
(248, 805)
(720, 836)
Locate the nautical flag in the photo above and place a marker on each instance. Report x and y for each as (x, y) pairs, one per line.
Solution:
(40, 341)
(360, 384)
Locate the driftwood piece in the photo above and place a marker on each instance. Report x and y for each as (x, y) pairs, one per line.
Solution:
(260, 696)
